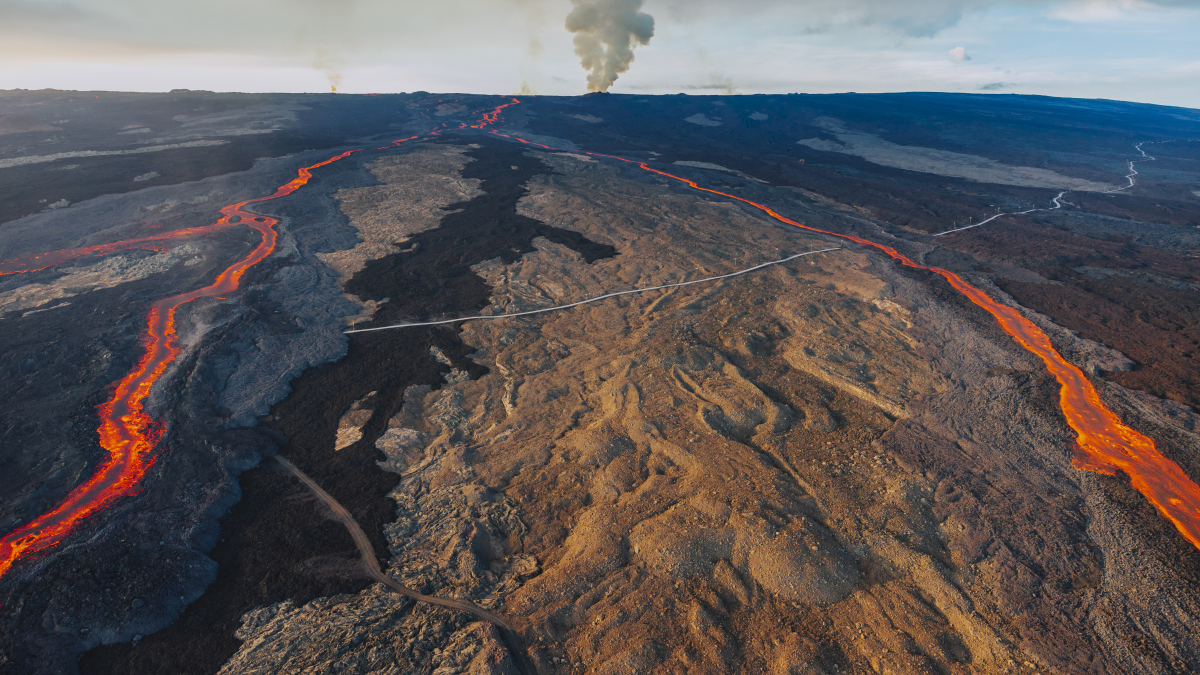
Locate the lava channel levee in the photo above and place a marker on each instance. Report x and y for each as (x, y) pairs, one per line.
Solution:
(1104, 443)
(153, 242)
(127, 432)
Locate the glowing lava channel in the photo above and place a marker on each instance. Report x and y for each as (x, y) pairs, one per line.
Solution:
(1104, 443)
(126, 430)
(491, 117)
(41, 261)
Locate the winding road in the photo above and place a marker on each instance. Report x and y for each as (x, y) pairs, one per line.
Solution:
(598, 298)
(1057, 205)
(1132, 171)
(1131, 177)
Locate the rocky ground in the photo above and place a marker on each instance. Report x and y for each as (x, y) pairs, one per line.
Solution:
(784, 472)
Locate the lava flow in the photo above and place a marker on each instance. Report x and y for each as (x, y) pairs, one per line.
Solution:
(1104, 443)
(41, 261)
(126, 430)
(491, 117)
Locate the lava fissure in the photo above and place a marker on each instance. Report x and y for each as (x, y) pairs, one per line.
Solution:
(1104, 443)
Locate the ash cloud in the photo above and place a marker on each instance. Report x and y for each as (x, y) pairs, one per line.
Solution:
(606, 32)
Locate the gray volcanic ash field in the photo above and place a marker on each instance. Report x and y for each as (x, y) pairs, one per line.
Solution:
(841, 463)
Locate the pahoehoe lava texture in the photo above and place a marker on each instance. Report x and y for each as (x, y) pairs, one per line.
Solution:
(276, 543)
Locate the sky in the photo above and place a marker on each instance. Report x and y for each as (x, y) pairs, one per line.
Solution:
(1133, 50)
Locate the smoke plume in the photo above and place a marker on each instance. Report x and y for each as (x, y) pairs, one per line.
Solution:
(329, 62)
(606, 31)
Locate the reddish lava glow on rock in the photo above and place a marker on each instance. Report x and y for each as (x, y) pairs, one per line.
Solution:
(126, 430)
(491, 117)
(154, 242)
(1104, 443)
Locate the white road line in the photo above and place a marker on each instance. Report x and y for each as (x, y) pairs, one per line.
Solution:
(1131, 177)
(1132, 171)
(1057, 205)
(595, 299)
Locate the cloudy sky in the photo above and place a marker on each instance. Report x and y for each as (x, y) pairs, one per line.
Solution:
(1137, 50)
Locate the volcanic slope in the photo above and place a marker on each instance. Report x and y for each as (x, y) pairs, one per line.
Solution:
(833, 465)
(269, 545)
(715, 479)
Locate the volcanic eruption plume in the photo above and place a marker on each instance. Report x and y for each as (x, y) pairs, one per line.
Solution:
(606, 31)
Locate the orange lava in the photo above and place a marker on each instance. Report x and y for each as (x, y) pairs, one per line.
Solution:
(395, 143)
(126, 430)
(1104, 443)
(491, 117)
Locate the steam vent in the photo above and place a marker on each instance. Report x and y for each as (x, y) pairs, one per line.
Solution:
(464, 384)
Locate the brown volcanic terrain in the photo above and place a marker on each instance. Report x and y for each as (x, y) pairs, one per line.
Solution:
(830, 465)
(706, 479)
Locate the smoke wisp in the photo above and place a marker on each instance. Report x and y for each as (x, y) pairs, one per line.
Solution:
(606, 32)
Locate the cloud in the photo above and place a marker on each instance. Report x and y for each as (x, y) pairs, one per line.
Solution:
(920, 18)
(959, 54)
(491, 46)
(996, 86)
(1091, 11)
(283, 29)
(35, 12)
(606, 32)
(718, 82)
(914, 18)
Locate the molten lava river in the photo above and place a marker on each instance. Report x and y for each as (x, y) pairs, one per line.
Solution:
(126, 430)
